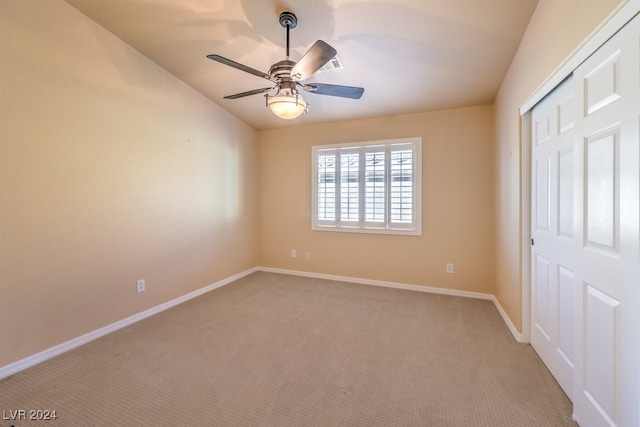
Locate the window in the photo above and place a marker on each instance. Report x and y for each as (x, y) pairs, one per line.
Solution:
(371, 187)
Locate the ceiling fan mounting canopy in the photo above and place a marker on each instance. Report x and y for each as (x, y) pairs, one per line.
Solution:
(288, 19)
(289, 76)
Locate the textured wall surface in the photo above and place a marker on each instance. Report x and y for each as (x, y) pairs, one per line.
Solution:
(111, 170)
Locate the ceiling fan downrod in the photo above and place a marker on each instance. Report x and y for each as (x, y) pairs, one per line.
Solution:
(289, 21)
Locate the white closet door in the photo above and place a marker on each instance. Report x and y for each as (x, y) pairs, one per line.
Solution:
(606, 224)
(552, 256)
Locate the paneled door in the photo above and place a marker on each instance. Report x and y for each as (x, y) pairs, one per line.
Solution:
(552, 261)
(585, 259)
(606, 224)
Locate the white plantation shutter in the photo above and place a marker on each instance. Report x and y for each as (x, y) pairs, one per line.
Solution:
(375, 192)
(401, 185)
(349, 186)
(368, 187)
(326, 187)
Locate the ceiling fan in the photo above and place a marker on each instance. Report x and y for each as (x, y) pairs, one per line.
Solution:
(289, 76)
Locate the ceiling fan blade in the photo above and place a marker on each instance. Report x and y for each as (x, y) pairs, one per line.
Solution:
(318, 55)
(230, 63)
(248, 93)
(334, 90)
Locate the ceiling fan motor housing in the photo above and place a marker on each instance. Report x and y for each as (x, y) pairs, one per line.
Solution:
(281, 71)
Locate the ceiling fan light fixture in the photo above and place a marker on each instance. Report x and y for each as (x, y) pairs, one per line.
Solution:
(286, 104)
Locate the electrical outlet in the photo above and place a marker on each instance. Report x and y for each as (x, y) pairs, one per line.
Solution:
(307, 256)
(140, 285)
(450, 268)
(293, 253)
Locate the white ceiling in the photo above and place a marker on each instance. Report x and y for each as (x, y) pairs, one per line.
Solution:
(409, 55)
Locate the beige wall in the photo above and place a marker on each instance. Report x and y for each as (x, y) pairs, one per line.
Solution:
(458, 203)
(557, 29)
(111, 170)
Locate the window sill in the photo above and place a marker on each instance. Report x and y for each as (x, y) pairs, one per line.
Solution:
(368, 230)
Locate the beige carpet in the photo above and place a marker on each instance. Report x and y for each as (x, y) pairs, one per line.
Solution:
(276, 350)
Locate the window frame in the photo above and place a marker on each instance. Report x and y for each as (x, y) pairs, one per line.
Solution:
(413, 228)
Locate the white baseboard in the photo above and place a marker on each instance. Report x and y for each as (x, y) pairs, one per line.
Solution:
(395, 285)
(27, 362)
(517, 335)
